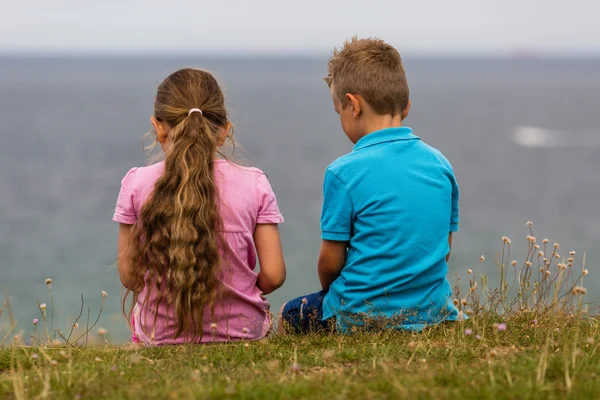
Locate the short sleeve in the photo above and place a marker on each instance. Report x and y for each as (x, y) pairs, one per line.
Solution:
(338, 209)
(268, 211)
(455, 197)
(125, 210)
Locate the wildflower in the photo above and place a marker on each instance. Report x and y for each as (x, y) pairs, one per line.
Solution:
(548, 273)
(469, 271)
(534, 322)
(556, 246)
(493, 353)
(478, 337)
(304, 300)
(463, 302)
(542, 269)
(56, 343)
(532, 239)
(589, 340)
(213, 327)
(412, 345)
(514, 263)
(113, 368)
(529, 224)
(481, 259)
(557, 255)
(75, 325)
(541, 254)
(455, 301)
(469, 332)
(545, 260)
(585, 272)
(98, 359)
(35, 321)
(43, 306)
(245, 330)
(545, 241)
(537, 246)
(561, 266)
(54, 363)
(501, 327)
(34, 356)
(572, 253)
(48, 281)
(570, 259)
(579, 290)
(528, 264)
(506, 240)
(102, 331)
(295, 367)
(104, 294)
(62, 353)
(246, 345)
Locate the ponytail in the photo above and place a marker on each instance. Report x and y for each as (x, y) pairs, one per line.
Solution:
(177, 241)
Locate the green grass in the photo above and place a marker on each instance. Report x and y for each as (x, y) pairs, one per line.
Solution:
(441, 363)
(530, 338)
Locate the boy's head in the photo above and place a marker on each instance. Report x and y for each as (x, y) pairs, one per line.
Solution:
(368, 83)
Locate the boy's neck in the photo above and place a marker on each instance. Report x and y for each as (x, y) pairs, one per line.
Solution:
(374, 123)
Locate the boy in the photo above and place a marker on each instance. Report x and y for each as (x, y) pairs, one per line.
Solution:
(389, 208)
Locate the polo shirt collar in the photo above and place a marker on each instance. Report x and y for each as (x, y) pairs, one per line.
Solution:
(385, 135)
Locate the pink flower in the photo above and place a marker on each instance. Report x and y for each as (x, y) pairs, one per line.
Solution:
(304, 301)
(468, 332)
(35, 321)
(501, 327)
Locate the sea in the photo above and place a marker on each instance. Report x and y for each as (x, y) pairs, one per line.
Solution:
(523, 136)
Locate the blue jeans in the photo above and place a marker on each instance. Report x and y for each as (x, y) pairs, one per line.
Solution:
(304, 314)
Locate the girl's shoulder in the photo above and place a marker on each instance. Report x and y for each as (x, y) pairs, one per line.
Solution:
(231, 168)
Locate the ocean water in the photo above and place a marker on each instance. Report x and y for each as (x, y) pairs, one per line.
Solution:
(523, 136)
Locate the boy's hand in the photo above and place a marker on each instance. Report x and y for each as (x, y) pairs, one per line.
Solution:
(332, 259)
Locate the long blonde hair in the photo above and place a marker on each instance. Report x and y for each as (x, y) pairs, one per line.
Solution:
(177, 242)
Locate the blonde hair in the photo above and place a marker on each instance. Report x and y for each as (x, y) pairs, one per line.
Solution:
(177, 242)
(372, 69)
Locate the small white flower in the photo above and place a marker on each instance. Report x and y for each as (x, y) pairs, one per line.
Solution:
(529, 224)
(43, 306)
(482, 258)
(556, 246)
(469, 271)
(102, 331)
(213, 326)
(48, 281)
(572, 253)
(104, 294)
(75, 325)
(545, 241)
(585, 272)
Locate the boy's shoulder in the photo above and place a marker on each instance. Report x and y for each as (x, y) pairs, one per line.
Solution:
(348, 163)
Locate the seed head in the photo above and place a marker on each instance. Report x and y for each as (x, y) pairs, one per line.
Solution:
(540, 254)
(102, 331)
(561, 266)
(455, 302)
(48, 281)
(537, 246)
(461, 316)
(506, 240)
(570, 259)
(463, 302)
(528, 264)
(548, 273)
(585, 272)
(98, 359)
(482, 258)
(469, 271)
(556, 246)
(572, 254)
(493, 353)
(545, 241)
(529, 224)
(104, 294)
(245, 330)
(304, 300)
(54, 363)
(514, 263)
(213, 327)
(579, 290)
(75, 325)
(532, 239)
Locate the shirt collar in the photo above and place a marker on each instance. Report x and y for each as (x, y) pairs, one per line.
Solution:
(385, 135)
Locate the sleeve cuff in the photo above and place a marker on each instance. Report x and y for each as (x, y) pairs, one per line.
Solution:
(454, 227)
(124, 219)
(270, 219)
(335, 236)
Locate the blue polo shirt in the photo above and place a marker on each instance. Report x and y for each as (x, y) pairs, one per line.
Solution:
(394, 199)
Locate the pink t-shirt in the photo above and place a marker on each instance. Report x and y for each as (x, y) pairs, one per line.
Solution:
(246, 200)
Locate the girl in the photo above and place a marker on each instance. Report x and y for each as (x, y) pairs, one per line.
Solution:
(192, 226)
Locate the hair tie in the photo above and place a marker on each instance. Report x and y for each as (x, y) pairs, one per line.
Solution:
(193, 110)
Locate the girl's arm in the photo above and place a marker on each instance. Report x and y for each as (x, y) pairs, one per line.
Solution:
(270, 256)
(123, 262)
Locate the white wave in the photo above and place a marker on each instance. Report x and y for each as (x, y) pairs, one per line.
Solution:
(534, 136)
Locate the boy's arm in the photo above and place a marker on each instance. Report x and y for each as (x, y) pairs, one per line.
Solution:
(332, 258)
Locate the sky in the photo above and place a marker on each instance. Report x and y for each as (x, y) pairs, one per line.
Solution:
(301, 26)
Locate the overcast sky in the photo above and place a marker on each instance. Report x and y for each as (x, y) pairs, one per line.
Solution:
(225, 26)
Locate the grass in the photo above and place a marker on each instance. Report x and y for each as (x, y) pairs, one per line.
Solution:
(530, 338)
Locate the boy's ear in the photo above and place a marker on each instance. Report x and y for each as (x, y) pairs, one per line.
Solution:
(161, 132)
(354, 103)
(406, 110)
